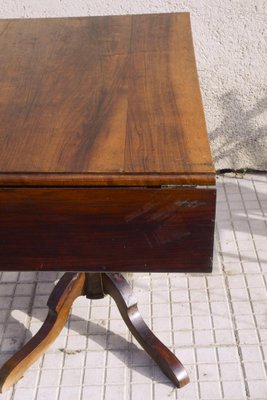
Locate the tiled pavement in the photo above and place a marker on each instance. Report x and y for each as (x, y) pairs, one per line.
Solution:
(216, 324)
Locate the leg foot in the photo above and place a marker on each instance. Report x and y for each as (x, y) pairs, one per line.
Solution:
(69, 287)
(117, 287)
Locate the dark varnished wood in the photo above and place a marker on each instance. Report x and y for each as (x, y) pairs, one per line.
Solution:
(108, 102)
(69, 287)
(117, 287)
(94, 285)
(106, 180)
(112, 99)
(97, 113)
(104, 229)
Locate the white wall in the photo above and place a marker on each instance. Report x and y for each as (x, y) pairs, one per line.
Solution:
(230, 44)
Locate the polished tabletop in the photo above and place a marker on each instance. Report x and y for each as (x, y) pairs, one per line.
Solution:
(106, 101)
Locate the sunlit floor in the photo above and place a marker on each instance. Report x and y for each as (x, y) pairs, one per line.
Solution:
(215, 323)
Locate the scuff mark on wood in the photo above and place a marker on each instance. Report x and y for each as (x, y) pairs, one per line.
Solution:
(190, 203)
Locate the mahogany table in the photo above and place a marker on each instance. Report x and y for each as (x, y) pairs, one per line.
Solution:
(105, 165)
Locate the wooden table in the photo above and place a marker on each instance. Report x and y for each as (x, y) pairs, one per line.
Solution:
(105, 164)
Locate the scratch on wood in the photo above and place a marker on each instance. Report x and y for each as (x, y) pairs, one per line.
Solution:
(190, 203)
(141, 212)
(154, 211)
(157, 238)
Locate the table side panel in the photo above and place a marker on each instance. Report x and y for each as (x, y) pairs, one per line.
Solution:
(107, 229)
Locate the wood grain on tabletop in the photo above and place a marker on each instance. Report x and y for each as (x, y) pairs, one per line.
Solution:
(114, 99)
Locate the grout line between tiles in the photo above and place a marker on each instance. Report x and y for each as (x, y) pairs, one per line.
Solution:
(63, 362)
(89, 312)
(236, 334)
(127, 370)
(249, 296)
(152, 327)
(214, 338)
(193, 336)
(265, 221)
(104, 376)
(171, 320)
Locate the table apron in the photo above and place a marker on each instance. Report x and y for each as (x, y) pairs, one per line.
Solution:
(107, 229)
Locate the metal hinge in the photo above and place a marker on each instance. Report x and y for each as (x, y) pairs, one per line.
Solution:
(187, 186)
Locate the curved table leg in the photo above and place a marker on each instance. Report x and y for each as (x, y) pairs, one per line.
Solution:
(116, 286)
(94, 285)
(69, 287)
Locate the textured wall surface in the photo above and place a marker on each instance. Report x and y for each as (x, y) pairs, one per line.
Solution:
(230, 45)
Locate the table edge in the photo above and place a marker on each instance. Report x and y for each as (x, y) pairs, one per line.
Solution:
(105, 179)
